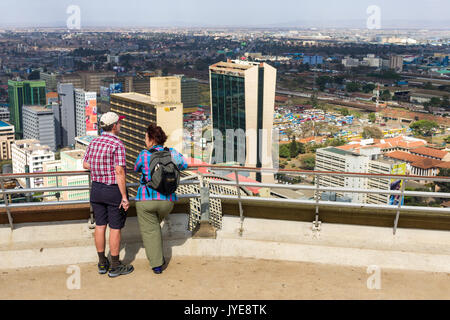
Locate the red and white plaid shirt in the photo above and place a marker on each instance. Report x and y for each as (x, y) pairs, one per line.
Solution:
(103, 155)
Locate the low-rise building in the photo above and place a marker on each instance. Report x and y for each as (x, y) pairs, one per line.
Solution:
(369, 160)
(70, 161)
(30, 153)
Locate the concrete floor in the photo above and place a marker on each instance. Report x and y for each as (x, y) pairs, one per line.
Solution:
(224, 278)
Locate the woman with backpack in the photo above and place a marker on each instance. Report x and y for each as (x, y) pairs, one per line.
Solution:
(155, 198)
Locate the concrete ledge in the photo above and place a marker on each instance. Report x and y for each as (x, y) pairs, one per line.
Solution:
(32, 245)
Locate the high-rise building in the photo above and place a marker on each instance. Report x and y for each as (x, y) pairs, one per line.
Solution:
(396, 63)
(32, 154)
(51, 80)
(6, 140)
(243, 97)
(4, 114)
(164, 89)
(189, 93)
(87, 80)
(24, 93)
(140, 110)
(73, 78)
(139, 83)
(65, 116)
(86, 113)
(372, 61)
(39, 124)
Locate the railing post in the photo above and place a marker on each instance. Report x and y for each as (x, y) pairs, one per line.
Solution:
(400, 201)
(204, 229)
(28, 196)
(5, 198)
(316, 223)
(57, 194)
(204, 204)
(91, 211)
(241, 211)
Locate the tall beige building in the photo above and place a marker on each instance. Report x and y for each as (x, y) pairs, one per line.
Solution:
(6, 140)
(140, 110)
(164, 89)
(396, 63)
(243, 97)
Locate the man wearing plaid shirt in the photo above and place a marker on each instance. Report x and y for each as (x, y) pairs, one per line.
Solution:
(105, 158)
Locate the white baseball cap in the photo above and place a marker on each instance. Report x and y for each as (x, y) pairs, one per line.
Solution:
(110, 118)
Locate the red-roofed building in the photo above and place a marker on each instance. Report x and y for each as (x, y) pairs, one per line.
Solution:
(417, 165)
(254, 190)
(281, 99)
(196, 162)
(431, 153)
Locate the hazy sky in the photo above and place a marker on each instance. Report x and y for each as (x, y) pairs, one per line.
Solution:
(217, 12)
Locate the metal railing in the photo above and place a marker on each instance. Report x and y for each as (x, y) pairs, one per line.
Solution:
(205, 194)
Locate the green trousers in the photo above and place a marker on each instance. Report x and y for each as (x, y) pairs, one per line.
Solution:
(150, 215)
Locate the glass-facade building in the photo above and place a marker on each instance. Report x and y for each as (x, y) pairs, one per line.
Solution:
(242, 101)
(24, 93)
(228, 108)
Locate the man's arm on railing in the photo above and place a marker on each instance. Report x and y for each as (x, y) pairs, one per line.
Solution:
(86, 166)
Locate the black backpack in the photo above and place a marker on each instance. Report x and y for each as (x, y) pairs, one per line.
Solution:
(165, 175)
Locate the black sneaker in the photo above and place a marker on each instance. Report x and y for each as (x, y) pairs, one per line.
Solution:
(103, 267)
(159, 270)
(120, 270)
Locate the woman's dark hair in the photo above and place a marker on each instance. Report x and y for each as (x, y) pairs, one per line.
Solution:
(156, 133)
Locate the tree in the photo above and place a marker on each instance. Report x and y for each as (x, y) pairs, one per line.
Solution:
(322, 82)
(333, 130)
(301, 148)
(372, 133)
(318, 127)
(309, 162)
(338, 80)
(336, 142)
(435, 102)
(306, 128)
(352, 87)
(447, 139)
(372, 117)
(423, 127)
(368, 87)
(314, 101)
(344, 112)
(289, 133)
(284, 151)
(444, 186)
(385, 95)
(428, 86)
(293, 149)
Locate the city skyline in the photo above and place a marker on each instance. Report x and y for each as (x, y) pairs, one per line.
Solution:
(201, 13)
